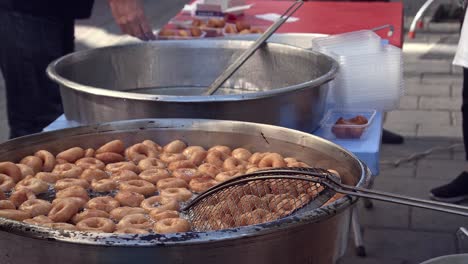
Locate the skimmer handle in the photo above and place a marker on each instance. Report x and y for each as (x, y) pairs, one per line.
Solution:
(399, 199)
(251, 50)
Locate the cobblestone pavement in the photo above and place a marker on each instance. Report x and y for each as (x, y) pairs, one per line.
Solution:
(428, 116)
(431, 106)
(396, 234)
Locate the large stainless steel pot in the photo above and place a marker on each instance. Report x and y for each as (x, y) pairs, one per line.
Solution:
(280, 84)
(309, 237)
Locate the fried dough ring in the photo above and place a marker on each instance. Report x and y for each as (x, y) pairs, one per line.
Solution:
(91, 175)
(48, 160)
(48, 177)
(67, 170)
(234, 164)
(160, 203)
(197, 157)
(223, 149)
(38, 220)
(209, 169)
(114, 146)
(10, 169)
(180, 164)
(6, 204)
(64, 210)
(20, 196)
(274, 160)
(241, 154)
(103, 203)
(33, 162)
(6, 183)
(180, 194)
(104, 185)
(139, 186)
(89, 153)
(25, 170)
(36, 207)
(72, 154)
(139, 152)
(202, 184)
(90, 163)
(140, 221)
(13, 214)
(119, 213)
(110, 157)
(88, 214)
(124, 175)
(151, 163)
(172, 157)
(73, 191)
(36, 185)
(124, 165)
(62, 226)
(171, 225)
(158, 215)
(155, 146)
(154, 175)
(186, 174)
(69, 182)
(171, 183)
(188, 151)
(96, 224)
(176, 146)
(227, 175)
(127, 198)
(216, 158)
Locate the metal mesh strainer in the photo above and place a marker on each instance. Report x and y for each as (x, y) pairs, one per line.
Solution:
(255, 198)
(268, 195)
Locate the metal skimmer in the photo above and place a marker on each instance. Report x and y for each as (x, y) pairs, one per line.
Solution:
(231, 69)
(268, 195)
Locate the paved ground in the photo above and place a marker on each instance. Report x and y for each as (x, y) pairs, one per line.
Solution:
(428, 116)
(431, 106)
(400, 234)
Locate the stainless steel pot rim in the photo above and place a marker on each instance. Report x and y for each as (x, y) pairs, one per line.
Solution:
(272, 38)
(178, 239)
(52, 73)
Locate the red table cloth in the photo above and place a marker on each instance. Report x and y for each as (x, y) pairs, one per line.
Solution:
(332, 17)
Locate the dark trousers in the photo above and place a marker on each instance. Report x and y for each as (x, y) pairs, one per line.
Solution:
(465, 110)
(27, 45)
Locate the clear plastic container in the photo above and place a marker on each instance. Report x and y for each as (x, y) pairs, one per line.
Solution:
(331, 130)
(356, 42)
(371, 71)
(365, 79)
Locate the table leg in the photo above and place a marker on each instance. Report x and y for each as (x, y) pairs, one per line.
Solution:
(357, 233)
(462, 240)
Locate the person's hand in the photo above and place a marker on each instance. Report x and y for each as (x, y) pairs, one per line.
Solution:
(129, 15)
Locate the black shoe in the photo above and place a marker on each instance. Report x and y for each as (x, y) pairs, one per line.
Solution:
(455, 191)
(391, 138)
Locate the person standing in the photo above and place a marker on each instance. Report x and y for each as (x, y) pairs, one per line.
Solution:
(457, 190)
(36, 32)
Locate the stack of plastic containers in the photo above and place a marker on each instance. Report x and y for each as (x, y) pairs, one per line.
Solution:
(371, 71)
